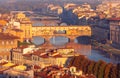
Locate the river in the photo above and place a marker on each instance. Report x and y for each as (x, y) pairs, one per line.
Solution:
(83, 49)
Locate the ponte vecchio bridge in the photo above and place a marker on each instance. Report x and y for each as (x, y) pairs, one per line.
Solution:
(71, 32)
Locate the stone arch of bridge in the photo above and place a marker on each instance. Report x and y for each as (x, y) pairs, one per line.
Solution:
(84, 39)
(71, 38)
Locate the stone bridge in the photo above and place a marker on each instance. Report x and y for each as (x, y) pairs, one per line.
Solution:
(70, 32)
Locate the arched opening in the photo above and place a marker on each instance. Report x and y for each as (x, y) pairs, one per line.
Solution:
(83, 40)
(59, 40)
(37, 40)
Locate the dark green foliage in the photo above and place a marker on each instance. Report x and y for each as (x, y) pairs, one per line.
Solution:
(72, 61)
(23, 43)
(96, 68)
(107, 70)
(118, 70)
(90, 67)
(113, 72)
(68, 17)
(85, 66)
(100, 69)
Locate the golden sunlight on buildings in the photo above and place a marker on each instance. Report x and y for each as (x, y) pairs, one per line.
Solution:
(26, 26)
(7, 42)
(3, 22)
(20, 16)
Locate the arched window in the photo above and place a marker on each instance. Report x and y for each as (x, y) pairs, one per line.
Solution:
(11, 42)
(7, 42)
(3, 43)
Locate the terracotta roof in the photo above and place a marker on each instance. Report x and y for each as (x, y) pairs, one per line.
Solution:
(56, 56)
(27, 55)
(41, 74)
(38, 52)
(1, 26)
(44, 56)
(18, 30)
(37, 67)
(7, 36)
(25, 22)
(23, 46)
(3, 63)
(4, 54)
(3, 22)
(114, 19)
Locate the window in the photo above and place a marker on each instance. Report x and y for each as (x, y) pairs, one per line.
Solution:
(7, 42)
(7, 49)
(3, 43)
(11, 42)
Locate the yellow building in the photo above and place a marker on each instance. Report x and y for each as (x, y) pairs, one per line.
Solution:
(1, 28)
(20, 16)
(7, 42)
(3, 22)
(19, 33)
(26, 26)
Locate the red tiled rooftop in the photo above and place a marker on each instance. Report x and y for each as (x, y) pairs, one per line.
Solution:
(56, 56)
(23, 46)
(38, 52)
(36, 67)
(41, 74)
(25, 22)
(115, 19)
(1, 26)
(3, 63)
(18, 30)
(44, 56)
(7, 36)
(27, 55)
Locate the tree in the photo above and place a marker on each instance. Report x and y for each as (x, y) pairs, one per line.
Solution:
(101, 69)
(85, 65)
(118, 70)
(71, 61)
(90, 67)
(68, 17)
(107, 70)
(96, 68)
(113, 72)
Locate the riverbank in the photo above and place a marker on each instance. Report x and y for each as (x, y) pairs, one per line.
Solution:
(106, 48)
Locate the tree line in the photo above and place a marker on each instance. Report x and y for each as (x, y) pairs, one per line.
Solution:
(100, 69)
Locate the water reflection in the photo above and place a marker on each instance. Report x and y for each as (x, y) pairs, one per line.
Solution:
(59, 41)
(62, 42)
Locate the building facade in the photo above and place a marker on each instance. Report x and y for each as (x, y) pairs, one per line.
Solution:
(100, 33)
(26, 26)
(7, 42)
(115, 32)
(38, 57)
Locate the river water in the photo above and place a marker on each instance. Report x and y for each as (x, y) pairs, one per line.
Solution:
(83, 49)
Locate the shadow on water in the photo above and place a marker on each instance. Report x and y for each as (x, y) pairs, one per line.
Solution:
(85, 40)
(59, 41)
(81, 45)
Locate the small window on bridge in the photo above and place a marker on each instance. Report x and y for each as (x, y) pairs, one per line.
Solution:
(60, 32)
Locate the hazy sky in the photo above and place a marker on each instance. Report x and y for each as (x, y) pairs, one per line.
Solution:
(88, 1)
(51, 0)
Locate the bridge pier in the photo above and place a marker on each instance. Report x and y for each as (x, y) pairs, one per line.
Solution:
(71, 40)
(47, 39)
